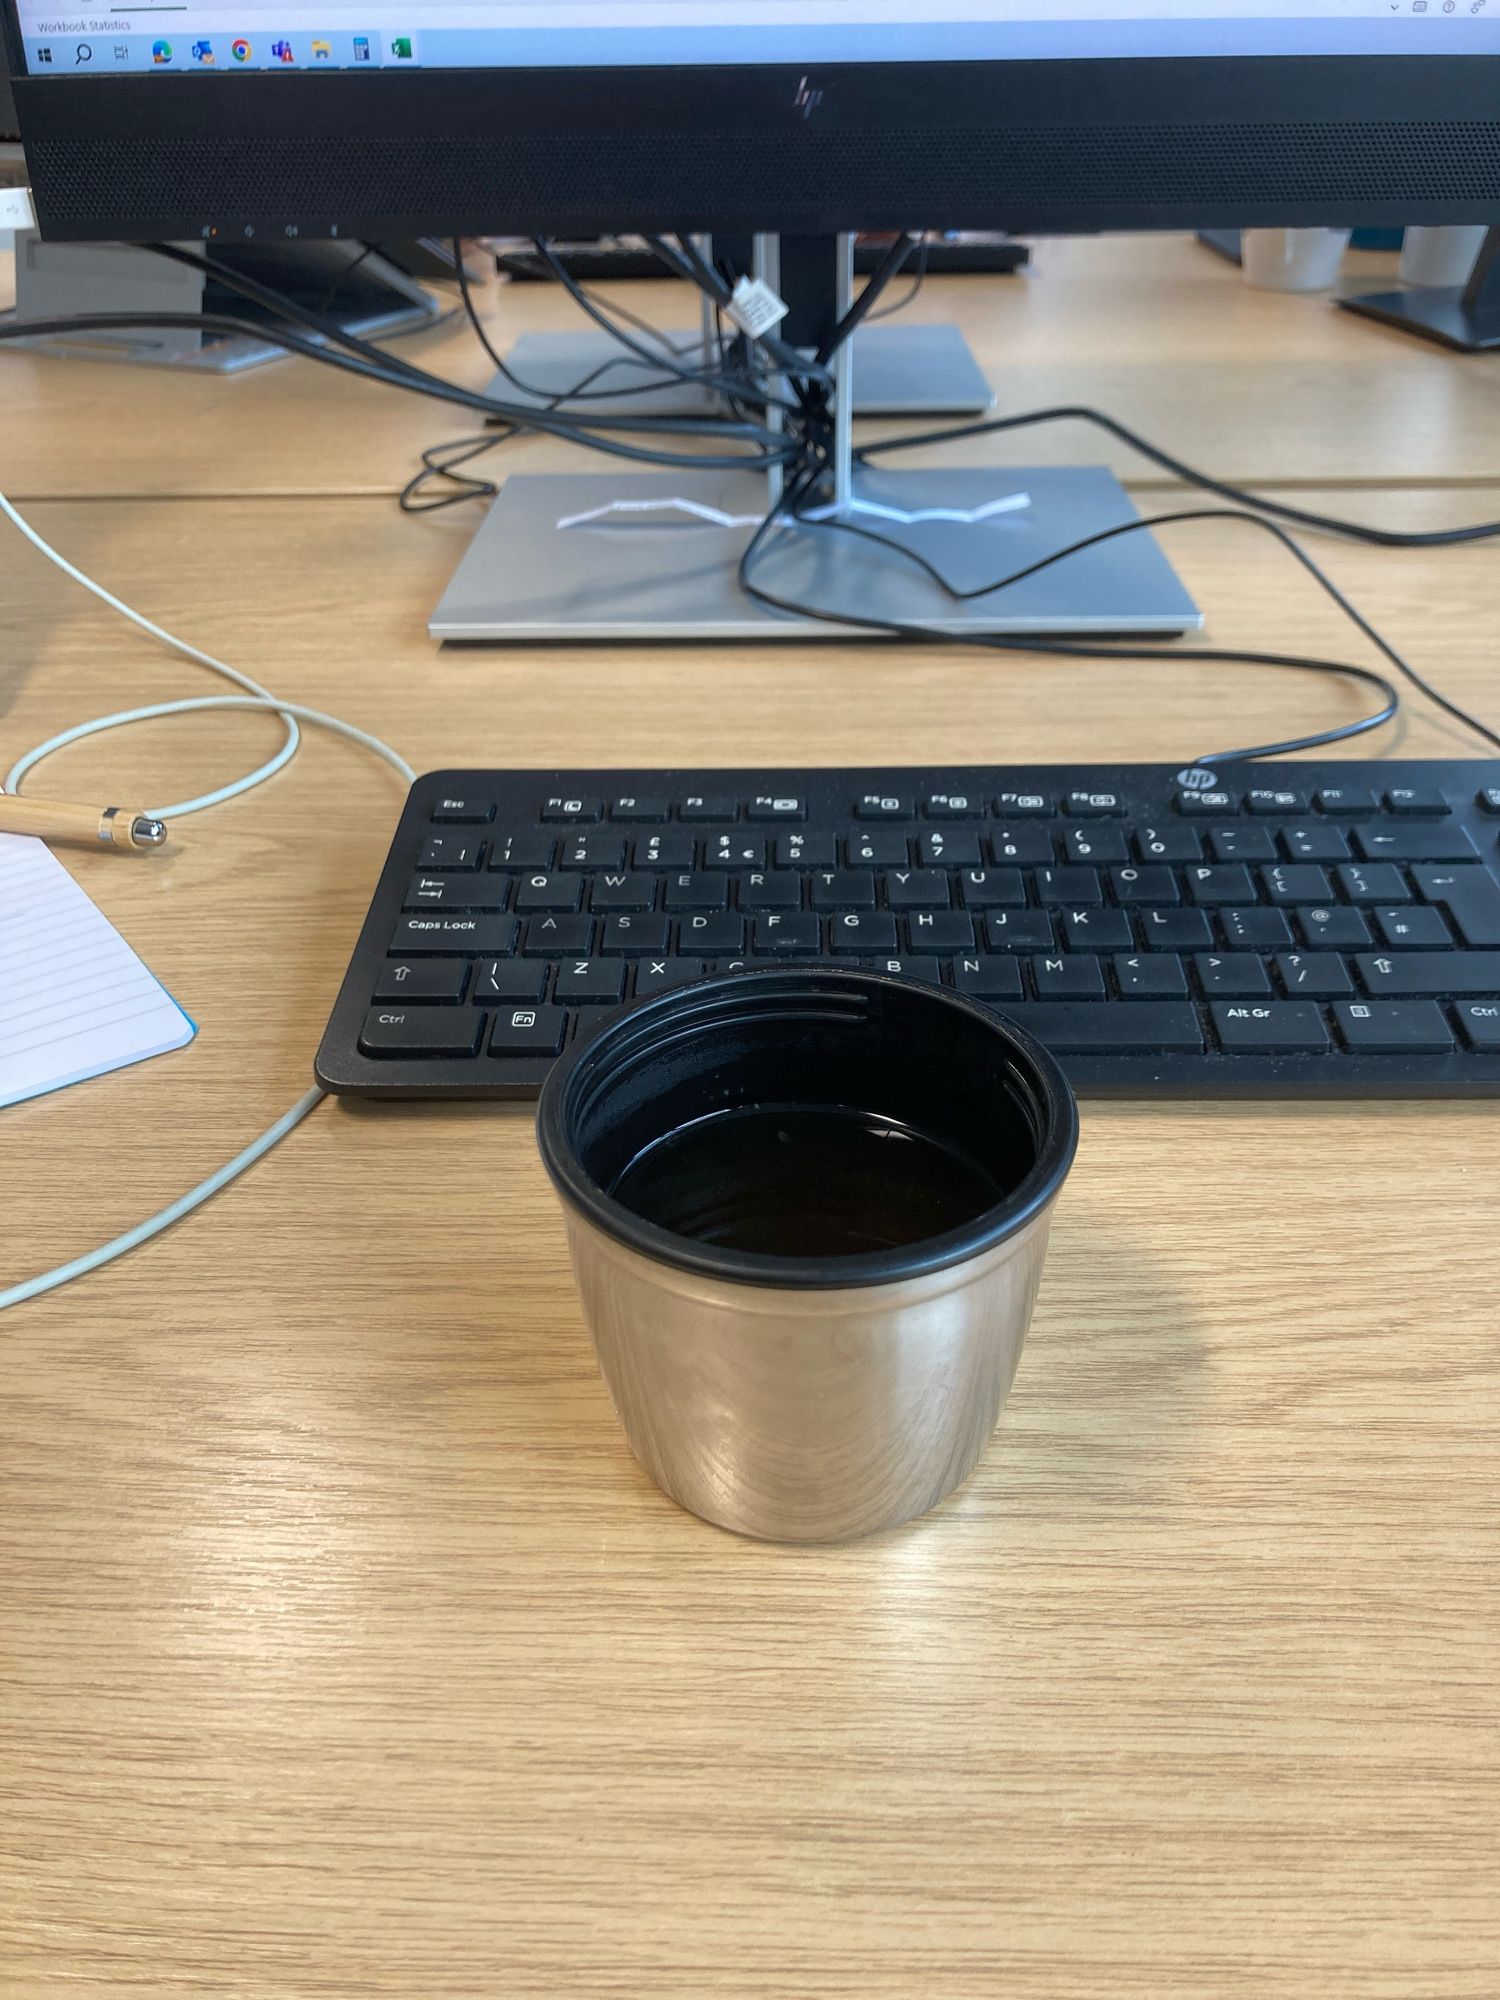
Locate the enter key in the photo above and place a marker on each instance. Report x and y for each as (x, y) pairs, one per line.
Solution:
(1470, 895)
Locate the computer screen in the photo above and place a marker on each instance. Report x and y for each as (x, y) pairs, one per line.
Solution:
(203, 37)
(380, 118)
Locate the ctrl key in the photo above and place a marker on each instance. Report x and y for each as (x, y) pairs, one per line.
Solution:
(528, 1031)
(1480, 1021)
(421, 1031)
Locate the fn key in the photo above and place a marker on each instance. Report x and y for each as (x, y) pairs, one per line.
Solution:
(528, 1031)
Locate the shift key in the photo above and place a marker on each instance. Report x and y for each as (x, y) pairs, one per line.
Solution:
(1435, 975)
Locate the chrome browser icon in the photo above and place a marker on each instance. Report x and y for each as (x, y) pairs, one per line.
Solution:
(239, 48)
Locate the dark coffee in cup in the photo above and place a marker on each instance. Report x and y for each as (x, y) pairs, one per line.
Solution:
(796, 1180)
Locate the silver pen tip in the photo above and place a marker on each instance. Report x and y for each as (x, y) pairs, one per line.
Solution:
(148, 832)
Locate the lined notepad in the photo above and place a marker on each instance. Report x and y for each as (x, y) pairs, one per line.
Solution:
(75, 1000)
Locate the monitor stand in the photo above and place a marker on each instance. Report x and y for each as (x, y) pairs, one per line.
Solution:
(611, 555)
(1466, 317)
(899, 371)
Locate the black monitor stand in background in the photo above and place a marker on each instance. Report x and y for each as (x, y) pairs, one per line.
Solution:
(1463, 316)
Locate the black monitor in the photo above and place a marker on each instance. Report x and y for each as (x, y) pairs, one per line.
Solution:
(794, 115)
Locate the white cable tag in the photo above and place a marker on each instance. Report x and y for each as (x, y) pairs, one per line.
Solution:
(755, 308)
(16, 211)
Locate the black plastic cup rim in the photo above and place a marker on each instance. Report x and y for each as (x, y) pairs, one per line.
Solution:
(584, 1072)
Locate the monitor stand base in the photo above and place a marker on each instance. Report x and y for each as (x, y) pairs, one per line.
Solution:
(614, 556)
(1466, 317)
(1437, 314)
(899, 371)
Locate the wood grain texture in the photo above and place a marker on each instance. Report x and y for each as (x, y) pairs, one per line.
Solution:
(1156, 330)
(346, 1652)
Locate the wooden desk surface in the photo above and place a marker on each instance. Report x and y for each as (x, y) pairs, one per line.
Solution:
(347, 1652)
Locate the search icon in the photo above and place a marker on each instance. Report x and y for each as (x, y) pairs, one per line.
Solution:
(85, 54)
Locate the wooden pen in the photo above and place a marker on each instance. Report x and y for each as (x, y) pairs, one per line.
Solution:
(114, 826)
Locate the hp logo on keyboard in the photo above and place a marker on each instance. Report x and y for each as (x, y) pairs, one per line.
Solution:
(1196, 779)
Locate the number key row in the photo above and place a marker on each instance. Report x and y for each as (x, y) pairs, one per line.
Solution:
(1089, 843)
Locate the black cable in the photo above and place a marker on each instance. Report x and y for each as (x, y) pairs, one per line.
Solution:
(708, 378)
(436, 465)
(330, 331)
(1320, 576)
(672, 357)
(347, 271)
(913, 290)
(805, 375)
(293, 312)
(1302, 517)
(582, 391)
(688, 261)
(645, 326)
(771, 450)
(790, 505)
(873, 286)
(440, 461)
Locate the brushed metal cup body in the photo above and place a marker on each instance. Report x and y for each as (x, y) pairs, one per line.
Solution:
(796, 1399)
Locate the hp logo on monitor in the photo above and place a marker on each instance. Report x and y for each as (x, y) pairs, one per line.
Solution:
(807, 100)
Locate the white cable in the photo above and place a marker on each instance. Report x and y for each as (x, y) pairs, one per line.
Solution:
(158, 709)
(48, 1281)
(269, 769)
(257, 697)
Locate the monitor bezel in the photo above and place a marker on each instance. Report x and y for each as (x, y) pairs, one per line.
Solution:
(1195, 141)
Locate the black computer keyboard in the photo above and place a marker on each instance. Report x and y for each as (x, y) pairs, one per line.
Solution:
(1267, 930)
